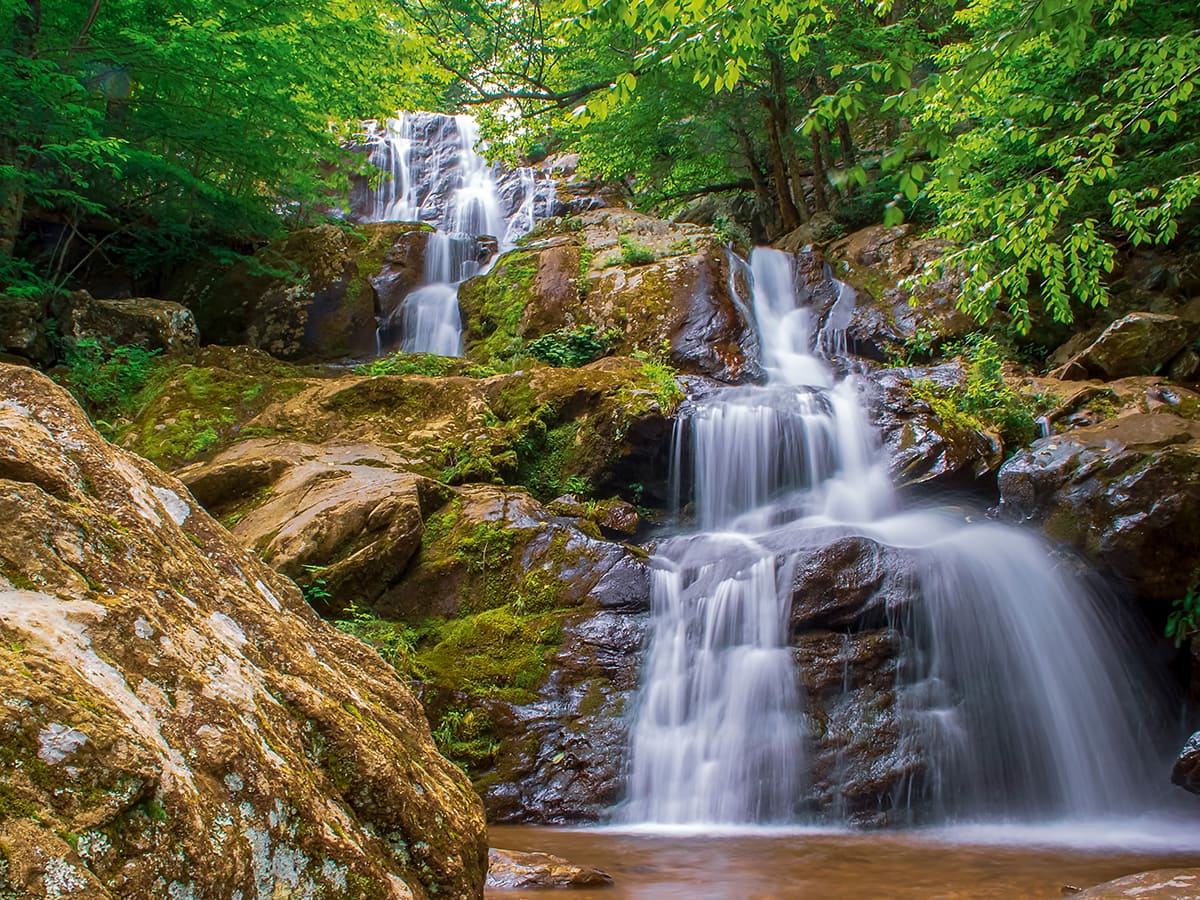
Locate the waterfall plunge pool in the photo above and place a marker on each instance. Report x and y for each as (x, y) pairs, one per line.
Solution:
(986, 862)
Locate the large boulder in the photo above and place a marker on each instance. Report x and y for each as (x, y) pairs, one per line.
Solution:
(340, 515)
(648, 285)
(23, 328)
(1186, 771)
(314, 293)
(1125, 491)
(1140, 343)
(140, 321)
(847, 657)
(177, 721)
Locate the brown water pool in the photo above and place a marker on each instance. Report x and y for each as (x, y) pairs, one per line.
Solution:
(841, 866)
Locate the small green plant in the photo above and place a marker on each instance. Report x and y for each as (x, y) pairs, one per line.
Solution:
(730, 232)
(578, 485)
(1184, 621)
(316, 591)
(919, 346)
(985, 399)
(394, 641)
(106, 380)
(634, 253)
(570, 349)
(661, 376)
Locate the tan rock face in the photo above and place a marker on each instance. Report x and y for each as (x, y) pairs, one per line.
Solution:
(649, 285)
(1160, 884)
(511, 869)
(144, 321)
(176, 720)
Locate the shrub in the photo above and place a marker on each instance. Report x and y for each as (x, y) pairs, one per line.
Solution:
(570, 349)
(107, 381)
(634, 253)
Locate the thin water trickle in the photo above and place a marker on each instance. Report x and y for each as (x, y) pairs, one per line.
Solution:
(1024, 697)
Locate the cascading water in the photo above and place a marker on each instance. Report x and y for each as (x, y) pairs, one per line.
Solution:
(433, 173)
(1007, 685)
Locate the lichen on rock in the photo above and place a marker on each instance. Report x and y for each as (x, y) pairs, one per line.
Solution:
(175, 714)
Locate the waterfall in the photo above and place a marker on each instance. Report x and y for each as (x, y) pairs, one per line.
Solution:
(1007, 685)
(432, 172)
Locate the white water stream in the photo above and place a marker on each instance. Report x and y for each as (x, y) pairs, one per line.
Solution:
(434, 173)
(1022, 692)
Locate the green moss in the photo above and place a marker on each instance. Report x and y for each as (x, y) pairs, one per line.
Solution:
(423, 364)
(186, 411)
(545, 460)
(493, 306)
(495, 653)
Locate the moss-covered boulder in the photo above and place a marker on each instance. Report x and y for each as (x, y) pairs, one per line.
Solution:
(176, 720)
(1140, 343)
(314, 293)
(929, 440)
(647, 285)
(602, 429)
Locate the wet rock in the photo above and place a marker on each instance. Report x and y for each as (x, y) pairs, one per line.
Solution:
(1160, 884)
(1186, 771)
(175, 708)
(923, 447)
(140, 321)
(402, 270)
(560, 758)
(511, 870)
(860, 757)
(852, 582)
(1125, 491)
(325, 302)
(617, 518)
(648, 284)
(876, 261)
(1136, 344)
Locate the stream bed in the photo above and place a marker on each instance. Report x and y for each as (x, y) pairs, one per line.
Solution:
(839, 865)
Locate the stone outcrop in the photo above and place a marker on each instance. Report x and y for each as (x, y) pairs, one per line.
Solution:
(313, 294)
(846, 594)
(23, 329)
(1140, 343)
(177, 721)
(513, 870)
(1125, 491)
(924, 447)
(1186, 771)
(142, 321)
(606, 425)
(876, 261)
(650, 286)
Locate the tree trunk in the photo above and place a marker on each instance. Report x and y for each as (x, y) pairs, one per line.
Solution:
(820, 177)
(788, 213)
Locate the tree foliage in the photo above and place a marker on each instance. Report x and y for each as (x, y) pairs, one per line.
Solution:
(137, 130)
